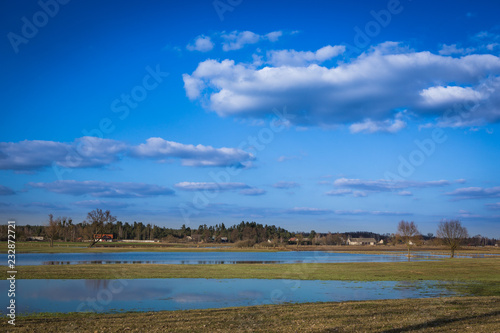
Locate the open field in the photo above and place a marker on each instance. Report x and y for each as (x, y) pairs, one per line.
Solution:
(482, 276)
(473, 276)
(79, 247)
(458, 314)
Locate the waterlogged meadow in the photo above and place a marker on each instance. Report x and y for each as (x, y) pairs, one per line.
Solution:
(78, 295)
(214, 257)
(158, 290)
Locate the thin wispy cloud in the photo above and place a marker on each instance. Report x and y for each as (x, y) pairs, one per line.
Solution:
(104, 189)
(284, 158)
(236, 40)
(321, 211)
(369, 126)
(339, 192)
(383, 185)
(309, 211)
(101, 203)
(286, 185)
(44, 205)
(475, 193)
(253, 191)
(493, 206)
(210, 186)
(4, 190)
(365, 212)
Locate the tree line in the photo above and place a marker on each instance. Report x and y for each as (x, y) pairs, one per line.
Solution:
(451, 233)
(99, 222)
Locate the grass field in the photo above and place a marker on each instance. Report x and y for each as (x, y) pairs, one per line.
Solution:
(482, 275)
(479, 277)
(462, 314)
(79, 247)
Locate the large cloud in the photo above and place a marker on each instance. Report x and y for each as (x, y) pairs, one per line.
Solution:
(369, 91)
(91, 152)
(104, 189)
(82, 153)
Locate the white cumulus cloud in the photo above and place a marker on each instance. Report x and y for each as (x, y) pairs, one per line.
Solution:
(236, 40)
(202, 44)
(367, 92)
(93, 152)
(191, 155)
(302, 58)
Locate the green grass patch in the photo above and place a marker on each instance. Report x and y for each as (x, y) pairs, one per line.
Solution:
(485, 271)
(82, 247)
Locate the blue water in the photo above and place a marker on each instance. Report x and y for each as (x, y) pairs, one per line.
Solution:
(181, 294)
(287, 257)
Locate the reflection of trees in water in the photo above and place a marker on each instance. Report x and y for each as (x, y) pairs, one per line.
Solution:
(97, 284)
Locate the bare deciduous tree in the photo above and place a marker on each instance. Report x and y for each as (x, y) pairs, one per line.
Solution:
(408, 233)
(98, 221)
(52, 230)
(452, 234)
(300, 239)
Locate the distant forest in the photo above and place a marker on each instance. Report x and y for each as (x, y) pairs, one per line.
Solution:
(249, 233)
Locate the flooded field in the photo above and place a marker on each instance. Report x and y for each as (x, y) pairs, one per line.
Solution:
(179, 294)
(194, 258)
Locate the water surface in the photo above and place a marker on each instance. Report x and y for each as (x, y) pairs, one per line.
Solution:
(181, 294)
(188, 258)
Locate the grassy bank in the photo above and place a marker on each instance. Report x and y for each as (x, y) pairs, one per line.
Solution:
(464, 314)
(79, 247)
(485, 271)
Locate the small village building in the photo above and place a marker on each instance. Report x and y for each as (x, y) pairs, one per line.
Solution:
(361, 241)
(103, 237)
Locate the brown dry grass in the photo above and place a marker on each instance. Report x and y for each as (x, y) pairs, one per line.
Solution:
(468, 314)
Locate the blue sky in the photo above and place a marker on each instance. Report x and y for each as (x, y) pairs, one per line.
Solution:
(332, 116)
